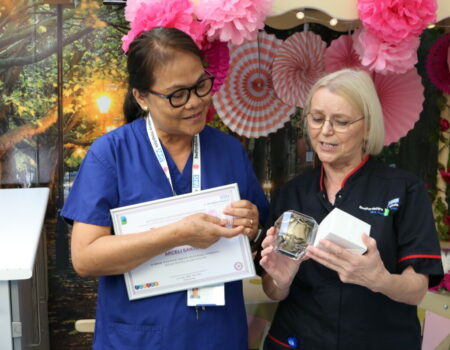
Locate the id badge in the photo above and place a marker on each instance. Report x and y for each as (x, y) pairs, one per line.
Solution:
(206, 296)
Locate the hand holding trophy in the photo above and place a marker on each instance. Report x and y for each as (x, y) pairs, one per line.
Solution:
(295, 231)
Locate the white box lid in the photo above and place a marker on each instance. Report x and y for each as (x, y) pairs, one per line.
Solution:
(343, 229)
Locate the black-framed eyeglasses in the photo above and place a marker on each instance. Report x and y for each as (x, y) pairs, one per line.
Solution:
(316, 121)
(180, 97)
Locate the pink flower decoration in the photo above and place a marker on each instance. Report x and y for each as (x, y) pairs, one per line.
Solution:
(444, 284)
(444, 124)
(447, 220)
(446, 281)
(217, 57)
(132, 8)
(437, 66)
(384, 57)
(396, 20)
(211, 113)
(233, 20)
(165, 13)
(445, 175)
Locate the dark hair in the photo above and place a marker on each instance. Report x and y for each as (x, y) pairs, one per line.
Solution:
(148, 51)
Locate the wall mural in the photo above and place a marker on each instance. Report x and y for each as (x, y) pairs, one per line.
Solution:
(62, 83)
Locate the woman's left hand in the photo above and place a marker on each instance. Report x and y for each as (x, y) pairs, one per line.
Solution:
(245, 214)
(365, 270)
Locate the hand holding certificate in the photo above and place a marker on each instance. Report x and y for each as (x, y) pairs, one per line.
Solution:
(186, 266)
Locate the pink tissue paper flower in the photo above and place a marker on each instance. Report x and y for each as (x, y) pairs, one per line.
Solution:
(396, 20)
(166, 13)
(217, 57)
(383, 57)
(132, 8)
(233, 21)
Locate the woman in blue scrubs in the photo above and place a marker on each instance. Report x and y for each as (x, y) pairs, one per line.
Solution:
(336, 299)
(166, 108)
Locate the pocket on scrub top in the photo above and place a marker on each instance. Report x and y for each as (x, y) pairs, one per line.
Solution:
(129, 336)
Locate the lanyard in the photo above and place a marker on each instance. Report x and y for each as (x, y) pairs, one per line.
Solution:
(157, 148)
(218, 291)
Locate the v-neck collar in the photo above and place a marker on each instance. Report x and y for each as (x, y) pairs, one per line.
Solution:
(347, 177)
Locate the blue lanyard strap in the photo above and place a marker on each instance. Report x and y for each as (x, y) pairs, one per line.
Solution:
(158, 150)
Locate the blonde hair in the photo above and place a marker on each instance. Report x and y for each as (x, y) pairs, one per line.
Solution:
(357, 88)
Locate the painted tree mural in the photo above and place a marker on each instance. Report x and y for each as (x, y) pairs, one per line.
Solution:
(91, 90)
(92, 62)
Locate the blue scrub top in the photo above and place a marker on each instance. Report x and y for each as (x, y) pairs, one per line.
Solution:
(121, 169)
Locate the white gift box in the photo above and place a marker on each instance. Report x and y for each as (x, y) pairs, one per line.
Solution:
(343, 229)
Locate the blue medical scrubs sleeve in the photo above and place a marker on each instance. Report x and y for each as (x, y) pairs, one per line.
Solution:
(94, 192)
(417, 238)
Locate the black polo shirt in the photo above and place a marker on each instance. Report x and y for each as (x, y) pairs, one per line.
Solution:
(324, 313)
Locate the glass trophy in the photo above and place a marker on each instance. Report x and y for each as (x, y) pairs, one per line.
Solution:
(295, 231)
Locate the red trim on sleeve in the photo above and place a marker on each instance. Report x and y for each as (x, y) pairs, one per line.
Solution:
(418, 256)
(278, 341)
(364, 161)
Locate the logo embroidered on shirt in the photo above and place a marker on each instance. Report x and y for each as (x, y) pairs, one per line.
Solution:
(391, 206)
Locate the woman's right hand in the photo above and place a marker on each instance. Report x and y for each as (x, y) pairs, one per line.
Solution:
(279, 267)
(203, 230)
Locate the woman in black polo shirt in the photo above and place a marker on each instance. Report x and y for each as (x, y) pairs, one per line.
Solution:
(335, 299)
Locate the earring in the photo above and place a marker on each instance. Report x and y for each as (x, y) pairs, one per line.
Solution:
(145, 108)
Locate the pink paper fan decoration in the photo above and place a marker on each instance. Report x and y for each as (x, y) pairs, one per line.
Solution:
(298, 64)
(217, 57)
(438, 65)
(233, 21)
(167, 13)
(401, 97)
(132, 8)
(383, 57)
(396, 20)
(247, 103)
(340, 54)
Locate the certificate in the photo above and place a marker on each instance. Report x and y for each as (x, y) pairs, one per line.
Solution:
(184, 267)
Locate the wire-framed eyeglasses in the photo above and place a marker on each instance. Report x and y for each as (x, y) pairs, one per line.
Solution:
(316, 121)
(180, 97)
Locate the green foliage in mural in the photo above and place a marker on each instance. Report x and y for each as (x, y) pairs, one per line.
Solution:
(93, 70)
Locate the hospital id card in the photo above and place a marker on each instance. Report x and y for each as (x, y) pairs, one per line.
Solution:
(206, 296)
